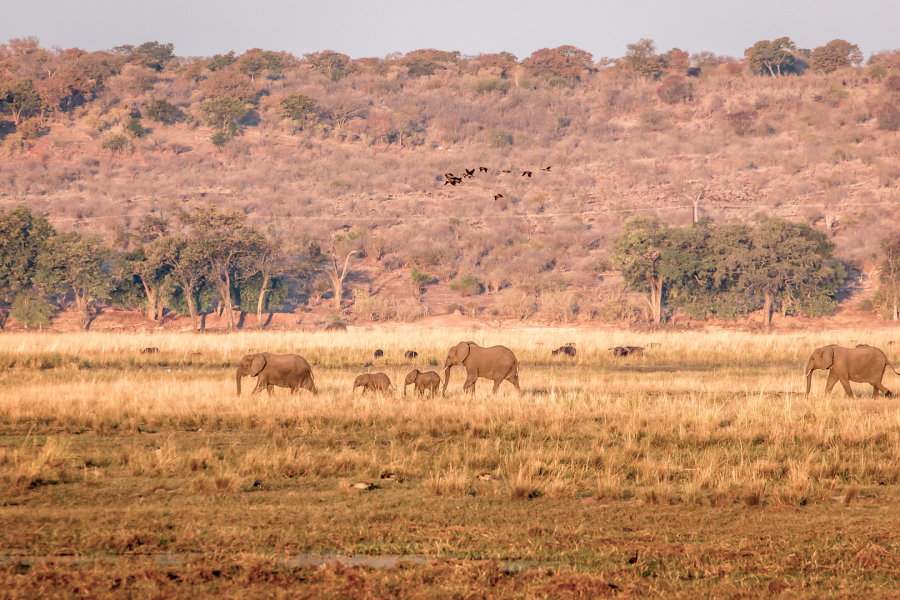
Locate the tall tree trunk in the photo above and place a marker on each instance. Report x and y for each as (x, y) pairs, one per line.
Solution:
(338, 288)
(767, 309)
(656, 298)
(152, 300)
(224, 288)
(896, 315)
(262, 297)
(188, 290)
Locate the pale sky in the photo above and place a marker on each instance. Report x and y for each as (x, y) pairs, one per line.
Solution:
(378, 27)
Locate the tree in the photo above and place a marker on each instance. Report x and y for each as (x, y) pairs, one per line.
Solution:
(71, 262)
(638, 252)
(20, 97)
(297, 108)
(674, 89)
(255, 62)
(335, 273)
(161, 111)
(564, 61)
(333, 65)
(23, 237)
(419, 278)
(774, 58)
(227, 243)
(149, 54)
(790, 263)
(189, 265)
(641, 58)
(133, 128)
(889, 278)
(223, 113)
(835, 55)
(230, 84)
(31, 310)
(220, 61)
(263, 262)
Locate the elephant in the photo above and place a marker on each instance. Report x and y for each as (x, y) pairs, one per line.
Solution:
(495, 363)
(376, 382)
(423, 381)
(276, 370)
(862, 365)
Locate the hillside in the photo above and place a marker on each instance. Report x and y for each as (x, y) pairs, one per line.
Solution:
(366, 159)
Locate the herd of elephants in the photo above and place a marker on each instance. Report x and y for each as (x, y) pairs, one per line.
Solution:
(862, 364)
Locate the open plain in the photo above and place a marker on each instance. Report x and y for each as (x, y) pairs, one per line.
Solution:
(700, 468)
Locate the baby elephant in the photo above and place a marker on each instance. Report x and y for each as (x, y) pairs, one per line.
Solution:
(567, 350)
(423, 381)
(374, 382)
(150, 351)
(411, 354)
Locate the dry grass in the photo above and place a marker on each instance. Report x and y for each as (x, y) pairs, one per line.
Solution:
(707, 422)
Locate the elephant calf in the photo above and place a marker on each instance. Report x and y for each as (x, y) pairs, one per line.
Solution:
(864, 364)
(423, 381)
(374, 382)
(276, 370)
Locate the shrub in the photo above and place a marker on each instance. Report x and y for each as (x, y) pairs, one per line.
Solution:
(161, 111)
(518, 304)
(614, 309)
(372, 308)
(116, 142)
(489, 84)
(133, 128)
(419, 279)
(888, 117)
(499, 138)
(30, 130)
(466, 285)
(674, 89)
(560, 306)
(220, 138)
(741, 121)
(31, 310)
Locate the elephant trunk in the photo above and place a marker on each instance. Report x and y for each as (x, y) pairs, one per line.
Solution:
(809, 371)
(446, 373)
(238, 379)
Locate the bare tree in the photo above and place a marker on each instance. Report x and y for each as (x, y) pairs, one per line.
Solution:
(337, 275)
(696, 202)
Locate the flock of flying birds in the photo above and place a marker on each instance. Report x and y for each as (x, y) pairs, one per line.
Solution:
(451, 179)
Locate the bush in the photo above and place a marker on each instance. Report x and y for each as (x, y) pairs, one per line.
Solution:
(674, 89)
(741, 121)
(489, 84)
(518, 304)
(560, 306)
(133, 128)
(161, 111)
(419, 278)
(466, 285)
(30, 130)
(116, 142)
(220, 138)
(888, 117)
(31, 310)
(500, 138)
(615, 309)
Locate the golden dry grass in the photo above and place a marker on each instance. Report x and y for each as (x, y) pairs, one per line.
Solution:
(104, 450)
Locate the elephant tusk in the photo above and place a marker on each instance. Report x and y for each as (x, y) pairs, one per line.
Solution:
(445, 368)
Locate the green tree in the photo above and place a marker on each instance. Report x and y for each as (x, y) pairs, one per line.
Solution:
(223, 113)
(115, 142)
(133, 128)
(23, 237)
(642, 253)
(255, 62)
(73, 263)
(19, 97)
(258, 297)
(333, 65)
(154, 55)
(775, 57)
(790, 263)
(419, 279)
(189, 265)
(228, 244)
(220, 61)
(263, 262)
(161, 111)
(889, 278)
(297, 108)
(835, 55)
(641, 58)
(31, 310)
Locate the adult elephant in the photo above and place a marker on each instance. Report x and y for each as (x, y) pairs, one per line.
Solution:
(276, 370)
(862, 365)
(495, 363)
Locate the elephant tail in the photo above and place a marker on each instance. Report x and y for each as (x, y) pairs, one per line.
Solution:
(888, 363)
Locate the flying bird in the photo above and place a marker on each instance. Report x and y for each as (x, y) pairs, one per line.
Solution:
(506, 171)
(482, 169)
(526, 173)
(469, 173)
(546, 169)
(497, 197)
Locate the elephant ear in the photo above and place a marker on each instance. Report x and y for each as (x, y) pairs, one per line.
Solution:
(259, 362)
(461, 352)
(828, 356)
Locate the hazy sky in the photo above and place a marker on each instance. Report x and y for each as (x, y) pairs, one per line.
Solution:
(379, 27)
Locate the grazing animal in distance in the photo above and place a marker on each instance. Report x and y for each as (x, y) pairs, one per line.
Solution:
(483, 169)
(362, 485)
(862, 345)
(547, 169)
(389, 477)
(497, 197)
(619, 351)
(526, 173)
(379, 353)
(150, 351)
(567, 350)
(635, 350)
(336, 326)
(410, 354)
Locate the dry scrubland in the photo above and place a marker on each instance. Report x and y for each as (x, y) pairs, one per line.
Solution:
(704, 458)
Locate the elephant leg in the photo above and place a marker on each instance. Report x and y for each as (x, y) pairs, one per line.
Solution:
(496, 385)
(471, 378)
(515, 381)
(270, 389)
(832, 379)
(260, 385)
(846, 385)
(879, 387)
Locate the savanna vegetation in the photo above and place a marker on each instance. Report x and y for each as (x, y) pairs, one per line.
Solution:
(348, 155)
(703, 461)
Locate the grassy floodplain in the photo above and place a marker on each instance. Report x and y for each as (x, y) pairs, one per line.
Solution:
(704, 459)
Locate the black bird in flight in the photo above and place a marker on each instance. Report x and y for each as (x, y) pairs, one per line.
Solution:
(482, 169)
(526, 173)
(546, 169)
(469, 173)
(505, 171)
(497, 197)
